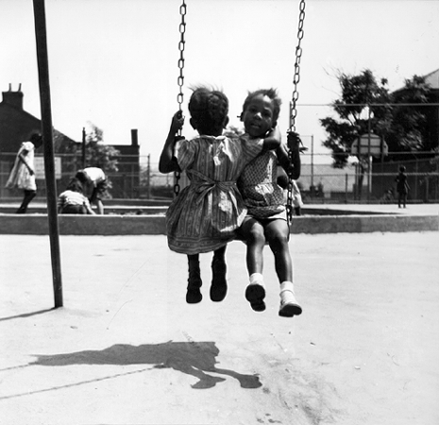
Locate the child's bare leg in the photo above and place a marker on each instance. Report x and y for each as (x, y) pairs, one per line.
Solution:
(27, 198)
(252, 233)
(218, 290)
(193, 294)
(277, 233)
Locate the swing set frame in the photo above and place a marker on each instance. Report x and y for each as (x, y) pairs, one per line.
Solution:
(47, 127)
(294, 141)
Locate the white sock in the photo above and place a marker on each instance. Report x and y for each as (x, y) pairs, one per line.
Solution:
(256, 278)
(287, 293)
(287, 286)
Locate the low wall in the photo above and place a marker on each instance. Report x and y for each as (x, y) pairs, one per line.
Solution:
(37, 224)
(364, 223)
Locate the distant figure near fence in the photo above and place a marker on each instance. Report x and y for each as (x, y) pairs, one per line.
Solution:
(402, 187)
(23, 172)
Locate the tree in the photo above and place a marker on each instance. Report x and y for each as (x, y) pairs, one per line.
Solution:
(402, 127)
(99, 155)
(358, 91)
(408, 132)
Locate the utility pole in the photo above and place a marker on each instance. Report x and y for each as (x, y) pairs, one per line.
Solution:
(83, 147)
(312, 165)
(148, 176)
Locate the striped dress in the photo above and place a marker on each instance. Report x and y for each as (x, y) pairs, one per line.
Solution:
(206, 213)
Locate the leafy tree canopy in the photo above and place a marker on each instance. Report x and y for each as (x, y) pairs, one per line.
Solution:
(402, 127)
(98, 154)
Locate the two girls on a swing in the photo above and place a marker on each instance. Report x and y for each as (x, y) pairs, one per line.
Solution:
(211, 211)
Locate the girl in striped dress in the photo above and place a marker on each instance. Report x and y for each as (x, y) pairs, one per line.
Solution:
(206, 213)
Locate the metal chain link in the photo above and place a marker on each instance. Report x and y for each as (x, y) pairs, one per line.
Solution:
(180, 80)
(296, 78)
(293, 153)
(181, 46)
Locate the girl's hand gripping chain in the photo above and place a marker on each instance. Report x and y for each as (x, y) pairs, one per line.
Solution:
(177, 122)
(167, 161)
(294, 142)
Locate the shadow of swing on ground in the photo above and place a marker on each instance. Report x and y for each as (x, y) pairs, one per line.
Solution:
(192, 358)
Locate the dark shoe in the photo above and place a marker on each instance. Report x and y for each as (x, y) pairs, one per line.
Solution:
(218, 290)
(193, 294)
(255, 295)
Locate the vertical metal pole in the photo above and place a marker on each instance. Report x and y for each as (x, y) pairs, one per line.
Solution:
(49, 162)
(369, 157)
(358, 171)
(83, 147)
(312, 165)
(148, 194)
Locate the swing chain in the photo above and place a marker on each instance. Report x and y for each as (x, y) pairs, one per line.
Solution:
(180, 80)
(296, 78)
(181, 46)
(293, 139)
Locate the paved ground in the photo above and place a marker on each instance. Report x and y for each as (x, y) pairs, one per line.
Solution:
(127, 349)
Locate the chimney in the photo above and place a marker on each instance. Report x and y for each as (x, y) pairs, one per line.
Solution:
(13, 98)
(134, 140)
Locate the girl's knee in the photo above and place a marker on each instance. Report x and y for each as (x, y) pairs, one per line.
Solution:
(256, 237)
(278, 242)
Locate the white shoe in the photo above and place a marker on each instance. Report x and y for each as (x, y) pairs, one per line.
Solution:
(289, 306)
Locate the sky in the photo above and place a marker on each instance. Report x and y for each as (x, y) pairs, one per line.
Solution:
(114, 63)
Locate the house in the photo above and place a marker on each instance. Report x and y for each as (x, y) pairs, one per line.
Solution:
(17, 125)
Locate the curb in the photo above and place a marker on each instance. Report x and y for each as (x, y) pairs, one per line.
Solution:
(154, 224)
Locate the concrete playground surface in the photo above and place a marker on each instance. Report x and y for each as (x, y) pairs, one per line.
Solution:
(127, 349)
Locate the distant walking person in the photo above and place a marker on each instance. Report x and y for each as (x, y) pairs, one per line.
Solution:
(402, 187)
(94, 182)
(23, 172)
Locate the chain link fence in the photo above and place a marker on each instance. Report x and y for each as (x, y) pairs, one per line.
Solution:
(319, 181)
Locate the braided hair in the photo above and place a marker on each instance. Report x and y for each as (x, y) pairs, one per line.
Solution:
(209, 110)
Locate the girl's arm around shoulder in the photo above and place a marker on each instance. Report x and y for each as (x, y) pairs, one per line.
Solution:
(168, 162)
(282, 156)
(273, 139)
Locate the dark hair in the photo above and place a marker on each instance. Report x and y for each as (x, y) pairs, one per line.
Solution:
(271, 94)
(36, 139)
(209, 110)
(75, 185)
(402, 168)
(80, 175)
